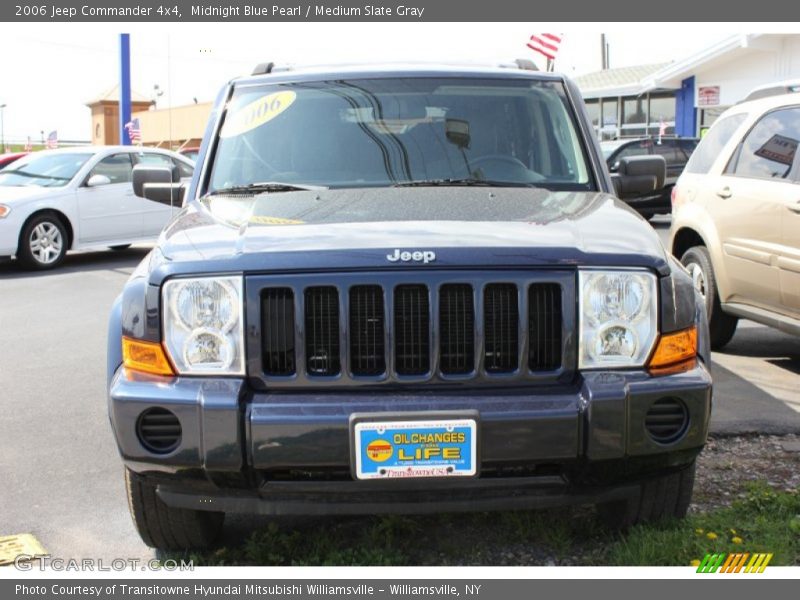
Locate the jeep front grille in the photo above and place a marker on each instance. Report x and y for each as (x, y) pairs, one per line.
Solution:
(403, 329)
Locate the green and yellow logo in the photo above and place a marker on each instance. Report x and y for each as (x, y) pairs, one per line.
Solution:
(738, 562)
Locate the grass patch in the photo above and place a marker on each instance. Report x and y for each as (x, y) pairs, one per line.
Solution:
(763, 521)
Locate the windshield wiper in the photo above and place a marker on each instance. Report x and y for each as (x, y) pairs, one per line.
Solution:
(463, 181)
(265, 187)
(37, 175)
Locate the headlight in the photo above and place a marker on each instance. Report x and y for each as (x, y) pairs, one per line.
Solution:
(203, 327)
(618, 318)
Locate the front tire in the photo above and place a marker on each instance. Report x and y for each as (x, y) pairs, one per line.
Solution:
(167, 528)
(721, 326)
(43, 242)
(665, 497)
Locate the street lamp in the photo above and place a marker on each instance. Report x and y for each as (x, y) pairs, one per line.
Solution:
(2, 130)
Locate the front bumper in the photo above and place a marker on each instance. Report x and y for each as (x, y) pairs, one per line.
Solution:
(242, 451)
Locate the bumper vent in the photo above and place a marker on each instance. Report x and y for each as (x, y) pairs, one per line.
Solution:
(501, 328)
(411, 330)
(544, 327)
(367, 356)
(277, 325)
(159, 430)
(667, 420)
(322, 331)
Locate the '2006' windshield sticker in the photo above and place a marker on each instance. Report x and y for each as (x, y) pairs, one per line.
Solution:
(256, 113)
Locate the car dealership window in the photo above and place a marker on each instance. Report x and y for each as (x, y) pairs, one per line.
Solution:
(769, 149)
(117, 168)
(709, 148)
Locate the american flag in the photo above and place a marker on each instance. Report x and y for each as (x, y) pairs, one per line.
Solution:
(28, 145)
(52, 139)
(134, 132)
(546, 44)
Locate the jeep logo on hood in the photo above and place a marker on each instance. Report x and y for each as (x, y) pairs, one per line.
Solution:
(424, 256)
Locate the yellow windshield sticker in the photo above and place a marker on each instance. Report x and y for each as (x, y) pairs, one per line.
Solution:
(256, 113)
(273, 221)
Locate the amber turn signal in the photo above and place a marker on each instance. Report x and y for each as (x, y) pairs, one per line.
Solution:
(674, 351)
(146, 357)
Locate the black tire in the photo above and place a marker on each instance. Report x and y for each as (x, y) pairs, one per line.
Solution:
(120, 247)
(167, 528)
(721, 326)
(665, 497)
(49, 231)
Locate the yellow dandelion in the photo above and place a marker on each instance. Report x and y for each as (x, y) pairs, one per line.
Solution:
(736, 540)
(695, 563)
(699, 531)
(711, 535)
(733, 532)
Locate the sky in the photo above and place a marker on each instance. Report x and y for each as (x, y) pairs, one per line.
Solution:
(49, 71)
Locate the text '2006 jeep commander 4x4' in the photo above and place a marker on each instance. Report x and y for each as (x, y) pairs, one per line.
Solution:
(404, 290)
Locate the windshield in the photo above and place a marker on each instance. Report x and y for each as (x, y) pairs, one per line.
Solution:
(43, 170)
(382, 132)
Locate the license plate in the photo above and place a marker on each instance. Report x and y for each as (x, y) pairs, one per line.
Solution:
(415, 448)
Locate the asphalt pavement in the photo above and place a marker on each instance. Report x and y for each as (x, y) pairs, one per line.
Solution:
(60, 474)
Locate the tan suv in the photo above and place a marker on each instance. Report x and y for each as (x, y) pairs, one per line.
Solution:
(736, 217)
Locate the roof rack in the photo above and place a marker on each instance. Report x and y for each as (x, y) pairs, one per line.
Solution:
(774, 89)
(263, 68)
(524, 64)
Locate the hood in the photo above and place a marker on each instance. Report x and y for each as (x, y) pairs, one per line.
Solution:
(11, 194)
(360, 228)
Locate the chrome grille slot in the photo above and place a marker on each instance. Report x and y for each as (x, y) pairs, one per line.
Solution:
(322, 331)
(544, 327)
(367, 355)
(277, 327)
(411, 330)
(501, 328)
(456, 329)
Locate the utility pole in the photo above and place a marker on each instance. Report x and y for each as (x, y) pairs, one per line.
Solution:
(124, 87)
(2, 127)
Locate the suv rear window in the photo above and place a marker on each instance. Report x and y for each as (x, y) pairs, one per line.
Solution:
(768, 150)
(711, 145)
(380, 132)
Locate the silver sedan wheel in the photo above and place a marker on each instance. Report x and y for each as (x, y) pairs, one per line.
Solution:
(46, 243)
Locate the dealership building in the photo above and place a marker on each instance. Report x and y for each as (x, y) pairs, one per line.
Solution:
(685, 97)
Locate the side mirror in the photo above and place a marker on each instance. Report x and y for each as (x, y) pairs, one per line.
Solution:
(638, 175)
(158, 183)
(98, 180)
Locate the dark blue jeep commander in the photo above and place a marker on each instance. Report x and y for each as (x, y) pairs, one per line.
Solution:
(403, 290)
